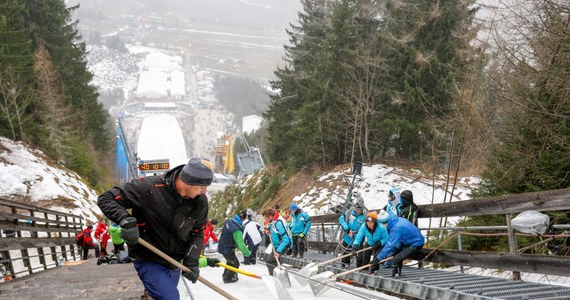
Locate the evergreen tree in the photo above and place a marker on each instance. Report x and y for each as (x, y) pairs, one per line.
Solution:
(16, 95)
(423, 43)
(25, 26)
(51, 21)
(365, 79)
(293, 79)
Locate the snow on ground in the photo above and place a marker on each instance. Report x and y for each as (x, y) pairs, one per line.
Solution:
(251, 123)
(25, 172)
(113, 69)
(255, 289)
(376, 182)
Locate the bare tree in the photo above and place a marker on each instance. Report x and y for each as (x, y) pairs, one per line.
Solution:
(54, 112)
(14, 102)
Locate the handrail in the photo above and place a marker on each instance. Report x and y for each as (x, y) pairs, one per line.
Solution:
(30, 232)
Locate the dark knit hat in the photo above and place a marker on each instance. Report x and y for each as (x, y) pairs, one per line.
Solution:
(197, 172)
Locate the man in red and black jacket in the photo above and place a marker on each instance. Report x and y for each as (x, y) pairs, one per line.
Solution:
(169, 212)
(88, 242)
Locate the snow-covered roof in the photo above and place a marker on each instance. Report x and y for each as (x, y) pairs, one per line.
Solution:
(152, 84)
(163, 76)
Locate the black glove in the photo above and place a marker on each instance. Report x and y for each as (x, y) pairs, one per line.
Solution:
(192, 276)
(355, 248)
(213, 262)
(376, 246)
(374, 262)
(129, 230)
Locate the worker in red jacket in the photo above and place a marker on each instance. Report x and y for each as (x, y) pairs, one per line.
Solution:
(102, 235)
(88, 242)
(209, 231)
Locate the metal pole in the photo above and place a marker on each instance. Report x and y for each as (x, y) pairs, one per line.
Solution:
(460, 246)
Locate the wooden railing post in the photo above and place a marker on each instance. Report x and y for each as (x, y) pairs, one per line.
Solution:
(512, 243)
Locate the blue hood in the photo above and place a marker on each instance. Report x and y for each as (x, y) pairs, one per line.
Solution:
(392, 220)
(237, 219)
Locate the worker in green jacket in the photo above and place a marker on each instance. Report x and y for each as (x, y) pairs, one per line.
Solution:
(118, 242)
(230, 239)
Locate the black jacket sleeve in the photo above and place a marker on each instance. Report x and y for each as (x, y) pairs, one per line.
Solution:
(114, 203)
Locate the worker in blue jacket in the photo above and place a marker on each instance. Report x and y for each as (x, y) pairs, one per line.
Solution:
(351, 225)
(376, 236)
(300, 225)
(405, 238)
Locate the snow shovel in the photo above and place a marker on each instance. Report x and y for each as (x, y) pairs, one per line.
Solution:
(320, 282)
(274, 285)
(185, 269)
(276, 288)
(280, 272)
(313, 268)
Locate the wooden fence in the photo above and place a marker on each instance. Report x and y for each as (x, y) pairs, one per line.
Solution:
(322, 232)
(34, 239)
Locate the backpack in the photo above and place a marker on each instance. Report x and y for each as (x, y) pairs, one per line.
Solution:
(287, 232)
(79, 241)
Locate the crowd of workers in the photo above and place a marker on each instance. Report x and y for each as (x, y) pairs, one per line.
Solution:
(170, 212)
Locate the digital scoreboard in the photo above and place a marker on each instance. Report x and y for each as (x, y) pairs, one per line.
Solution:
(153, 166)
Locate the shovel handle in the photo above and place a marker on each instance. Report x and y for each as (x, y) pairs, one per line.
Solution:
(361, 267)
(343, 256)
(274, 250)
(246, 273)
(185, 269)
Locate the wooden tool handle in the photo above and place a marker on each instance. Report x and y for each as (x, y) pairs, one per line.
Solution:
(185, 269)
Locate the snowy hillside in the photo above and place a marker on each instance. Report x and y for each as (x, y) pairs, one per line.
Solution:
(331, 188)
(28, 176)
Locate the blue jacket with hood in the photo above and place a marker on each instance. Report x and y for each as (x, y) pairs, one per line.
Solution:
(380, 235)
(394, 207)
(300, 222)
(354, 223)
(402, 234)
(280, 234)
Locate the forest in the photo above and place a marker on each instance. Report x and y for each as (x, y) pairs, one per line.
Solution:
(417, 82)
(46, 99)
(427, 83)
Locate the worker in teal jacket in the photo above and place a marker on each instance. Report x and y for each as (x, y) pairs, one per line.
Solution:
(350, 226)
(280, 237)
(376, 237)
(300, 225)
